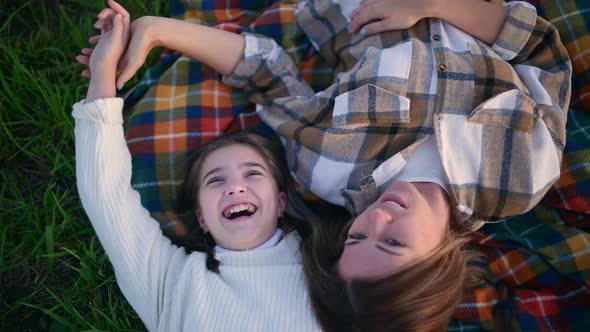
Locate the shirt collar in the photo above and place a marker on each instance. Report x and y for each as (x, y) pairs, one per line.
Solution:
(273, 241)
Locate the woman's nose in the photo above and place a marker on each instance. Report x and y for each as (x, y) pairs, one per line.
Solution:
(379, 220)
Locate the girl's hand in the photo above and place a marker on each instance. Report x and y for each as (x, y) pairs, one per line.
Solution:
(374, 16)
(104, 58)
(113, 46)
(109, 48)
(141, 40)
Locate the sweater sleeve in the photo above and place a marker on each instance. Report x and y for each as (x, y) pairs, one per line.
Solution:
(145, 261)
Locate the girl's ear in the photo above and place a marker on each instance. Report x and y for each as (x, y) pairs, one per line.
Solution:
(202, 223)
(282, 203)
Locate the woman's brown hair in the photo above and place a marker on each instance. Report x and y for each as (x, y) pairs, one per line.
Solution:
(420, 297)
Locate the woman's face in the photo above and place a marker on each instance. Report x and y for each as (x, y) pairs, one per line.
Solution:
(239, 200)
(405, 224)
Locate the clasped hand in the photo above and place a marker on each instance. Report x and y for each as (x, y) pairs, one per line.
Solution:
(121, 47)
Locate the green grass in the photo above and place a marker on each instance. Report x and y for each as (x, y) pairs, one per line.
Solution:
(54, 275)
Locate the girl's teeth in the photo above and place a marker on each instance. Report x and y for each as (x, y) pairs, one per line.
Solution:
(239, 208)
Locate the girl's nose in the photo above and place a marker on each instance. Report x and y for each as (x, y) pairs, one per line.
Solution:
(235, 189)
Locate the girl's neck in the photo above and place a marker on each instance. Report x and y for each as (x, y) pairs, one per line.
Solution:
(268, 244)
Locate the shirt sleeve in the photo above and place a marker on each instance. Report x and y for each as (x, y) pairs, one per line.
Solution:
(144, 260)
(544, 66)
(517, 29)
(267, 72)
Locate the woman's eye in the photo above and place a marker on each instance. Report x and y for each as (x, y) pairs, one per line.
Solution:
(395, 243)
(357, 236)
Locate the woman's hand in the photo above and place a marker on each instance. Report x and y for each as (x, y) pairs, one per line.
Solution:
(374, 16)
(143, 40)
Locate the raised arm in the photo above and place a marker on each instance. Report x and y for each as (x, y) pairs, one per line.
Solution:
(257, 59)
(145, 261)
(216, 48)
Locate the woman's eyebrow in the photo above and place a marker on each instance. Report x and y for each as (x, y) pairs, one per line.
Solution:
(352, 243)
(387, 250)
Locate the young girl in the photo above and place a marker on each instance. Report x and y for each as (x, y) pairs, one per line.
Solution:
(425, 132)
(253, 279)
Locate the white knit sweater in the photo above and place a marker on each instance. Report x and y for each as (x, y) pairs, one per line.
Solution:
(261, 290)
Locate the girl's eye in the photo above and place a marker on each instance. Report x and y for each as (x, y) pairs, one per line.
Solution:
(214, 180)
(357, 236)
(395, 243)
(253, 172)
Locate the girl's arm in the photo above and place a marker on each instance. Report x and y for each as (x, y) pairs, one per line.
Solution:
(102, 61)
(146, 264)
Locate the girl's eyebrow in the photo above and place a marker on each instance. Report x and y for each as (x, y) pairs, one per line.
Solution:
(252, 164)
(215, 170)
(242, 165)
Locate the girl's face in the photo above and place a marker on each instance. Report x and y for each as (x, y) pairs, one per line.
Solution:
(239, 200)
(406, 223)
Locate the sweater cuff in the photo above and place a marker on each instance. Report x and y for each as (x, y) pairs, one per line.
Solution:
(257, 50)
(105, 110)
(517, 29)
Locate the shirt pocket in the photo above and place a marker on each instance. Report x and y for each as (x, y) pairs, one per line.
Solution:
(511, 109)
(370, 105)
(493, 75)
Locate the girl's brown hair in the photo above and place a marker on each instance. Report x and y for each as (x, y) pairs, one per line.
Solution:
(271, 152)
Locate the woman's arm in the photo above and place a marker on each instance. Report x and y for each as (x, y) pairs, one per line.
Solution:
(468, 16)
(241, 58)
(382, 15)
(216, 48)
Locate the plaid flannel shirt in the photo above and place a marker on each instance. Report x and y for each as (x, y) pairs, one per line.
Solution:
(498, 113)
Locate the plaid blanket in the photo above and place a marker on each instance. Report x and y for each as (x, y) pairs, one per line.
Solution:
(538, 272)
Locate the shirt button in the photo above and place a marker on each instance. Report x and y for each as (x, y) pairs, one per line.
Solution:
(438, 117)
(442, 67)
(436, 37)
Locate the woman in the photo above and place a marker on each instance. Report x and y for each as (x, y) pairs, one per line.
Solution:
(252, 278)
(426, 132)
